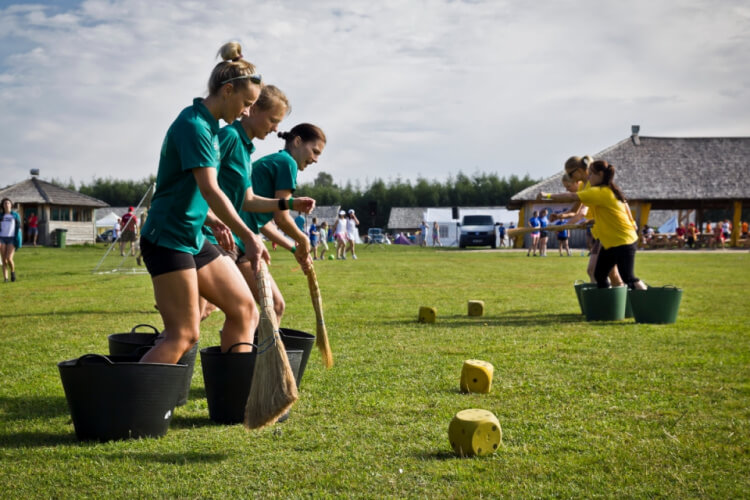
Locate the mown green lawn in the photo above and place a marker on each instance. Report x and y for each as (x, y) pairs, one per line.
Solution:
(587, 409)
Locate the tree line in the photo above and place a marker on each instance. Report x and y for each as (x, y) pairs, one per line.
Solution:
(377, 197)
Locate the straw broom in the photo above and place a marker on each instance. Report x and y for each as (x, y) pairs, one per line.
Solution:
(321, 338)
(273, 390)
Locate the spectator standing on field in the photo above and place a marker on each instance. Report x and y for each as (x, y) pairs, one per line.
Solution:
(323, 237)
(129, 225)
(33, 232)
(340, 235)
(314, 234)
(423, 232)
(501, 234)
(351, 230)
(436, 235)
(11, 237)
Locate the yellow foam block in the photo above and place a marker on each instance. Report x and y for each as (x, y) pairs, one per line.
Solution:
(476, 308)
(475, 432)
(476, 376)
(427, 314)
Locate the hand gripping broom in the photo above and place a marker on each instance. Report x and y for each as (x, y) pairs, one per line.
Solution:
(321, 337)
(273, 390)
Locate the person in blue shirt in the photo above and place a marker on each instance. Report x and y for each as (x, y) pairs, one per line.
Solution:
(534, 222)
(543, 234)
(562, 238)
(10, 237)
(183, 265)
(313, 232)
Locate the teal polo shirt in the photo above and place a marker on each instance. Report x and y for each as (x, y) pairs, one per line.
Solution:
(270, 174)
(234, 172)
(178, 210)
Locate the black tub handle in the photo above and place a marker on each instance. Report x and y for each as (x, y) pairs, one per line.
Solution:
(98, 357)
(240, 343)
(156, 330)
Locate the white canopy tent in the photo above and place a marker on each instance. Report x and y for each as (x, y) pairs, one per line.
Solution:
(107, 221)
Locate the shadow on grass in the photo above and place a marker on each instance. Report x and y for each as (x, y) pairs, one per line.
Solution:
(189, 422)
(62, 314)
(192, 457)
(32, 407)
(36, 439)
(509, 318)
(441, 455)
(197, 393)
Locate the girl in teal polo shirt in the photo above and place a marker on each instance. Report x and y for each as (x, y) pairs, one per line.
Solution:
(183, 266)
(234, 176)
(276, 175)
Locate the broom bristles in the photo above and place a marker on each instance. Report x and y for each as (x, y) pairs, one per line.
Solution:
(321, 337)
(274, 389)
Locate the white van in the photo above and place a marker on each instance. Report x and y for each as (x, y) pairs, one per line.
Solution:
(477, 230)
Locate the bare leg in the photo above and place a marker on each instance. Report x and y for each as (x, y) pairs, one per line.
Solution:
(176, 295)
(279, 306)
(221, 283)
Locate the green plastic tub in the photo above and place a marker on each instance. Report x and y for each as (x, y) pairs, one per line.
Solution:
(656, 304)
(580, 285)
(604, 304)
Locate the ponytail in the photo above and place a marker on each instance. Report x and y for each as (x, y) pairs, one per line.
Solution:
(233, 68)
(608, 178)
(305, 131)
(577, 163)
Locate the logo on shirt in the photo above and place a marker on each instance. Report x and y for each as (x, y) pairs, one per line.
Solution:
(216, 147)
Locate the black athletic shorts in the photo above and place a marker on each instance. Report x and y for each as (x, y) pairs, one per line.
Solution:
(543, 234)
(162, 260)
(562, 238)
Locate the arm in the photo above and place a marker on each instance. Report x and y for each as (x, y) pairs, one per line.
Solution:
(256, 203)
(558, 196)
(224, 211)
(575, 209)
(271, 232)
(286, 224)
(221, 231)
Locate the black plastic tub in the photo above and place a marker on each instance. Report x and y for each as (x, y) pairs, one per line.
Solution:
(134, 342)
(116, 397)
(298, 340)
(228, 377)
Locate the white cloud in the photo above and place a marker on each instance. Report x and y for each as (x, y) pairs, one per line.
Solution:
(401, 88)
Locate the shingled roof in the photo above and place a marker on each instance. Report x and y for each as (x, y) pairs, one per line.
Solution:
(406, 217)
(670, 172)
(37, 191)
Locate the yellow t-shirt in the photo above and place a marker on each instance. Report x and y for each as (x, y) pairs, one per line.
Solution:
(590, 212)
(613, 225)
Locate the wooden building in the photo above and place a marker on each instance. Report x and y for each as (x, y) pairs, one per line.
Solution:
(56, 208)
(688, 175)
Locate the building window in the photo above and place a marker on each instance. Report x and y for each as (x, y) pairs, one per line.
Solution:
(60, 213)
(81, 214)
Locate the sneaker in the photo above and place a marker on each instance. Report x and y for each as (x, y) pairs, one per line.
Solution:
(138, 260)
(13, 276)
(354, 257)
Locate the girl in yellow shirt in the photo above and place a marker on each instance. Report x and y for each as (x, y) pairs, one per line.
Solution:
(615, 228)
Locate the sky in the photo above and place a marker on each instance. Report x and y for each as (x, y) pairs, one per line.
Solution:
(404, 89)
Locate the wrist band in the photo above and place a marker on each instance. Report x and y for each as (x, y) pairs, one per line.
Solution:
(291, 202)
(293, 249)
(282, 204)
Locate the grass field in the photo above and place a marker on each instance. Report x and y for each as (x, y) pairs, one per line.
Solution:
(587, 409)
